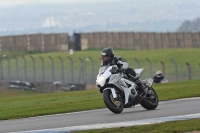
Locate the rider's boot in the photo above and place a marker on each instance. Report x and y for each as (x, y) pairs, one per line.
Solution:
(143, 90)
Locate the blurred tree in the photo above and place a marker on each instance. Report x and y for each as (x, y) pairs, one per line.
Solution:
(189, 26)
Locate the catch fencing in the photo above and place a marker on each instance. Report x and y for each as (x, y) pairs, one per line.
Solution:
(84, 70)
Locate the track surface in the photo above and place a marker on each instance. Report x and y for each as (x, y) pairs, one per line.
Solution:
(101, 116)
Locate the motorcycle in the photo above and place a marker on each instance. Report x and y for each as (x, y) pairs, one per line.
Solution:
(120, 92)
(164, 81)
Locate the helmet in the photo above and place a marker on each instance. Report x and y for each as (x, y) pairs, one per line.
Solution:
(159, 73)
(107, 55)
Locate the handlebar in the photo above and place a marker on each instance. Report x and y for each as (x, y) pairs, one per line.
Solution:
(113, 71)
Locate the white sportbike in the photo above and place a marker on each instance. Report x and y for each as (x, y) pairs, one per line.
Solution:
(120, 92)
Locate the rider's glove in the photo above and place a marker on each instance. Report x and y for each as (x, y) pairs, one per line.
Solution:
(113, 70)
(120, 70)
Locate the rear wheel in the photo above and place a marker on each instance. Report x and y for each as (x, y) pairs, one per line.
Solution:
(150, 102)
(115, 105)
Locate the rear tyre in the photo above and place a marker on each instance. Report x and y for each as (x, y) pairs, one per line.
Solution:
(114, 105)
(150, 102)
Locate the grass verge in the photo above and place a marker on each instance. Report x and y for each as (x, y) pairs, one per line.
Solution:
(21, 104)
(168, 127)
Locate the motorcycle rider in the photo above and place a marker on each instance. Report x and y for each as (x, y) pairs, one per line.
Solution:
(158, 77)
(109, 59)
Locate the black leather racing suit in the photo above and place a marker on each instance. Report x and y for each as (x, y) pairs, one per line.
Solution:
(158, 79)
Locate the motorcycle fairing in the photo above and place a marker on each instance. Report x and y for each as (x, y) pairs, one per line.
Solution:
(120, 83)
(101, 77)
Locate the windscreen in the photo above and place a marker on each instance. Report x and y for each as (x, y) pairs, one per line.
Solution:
(103, 69)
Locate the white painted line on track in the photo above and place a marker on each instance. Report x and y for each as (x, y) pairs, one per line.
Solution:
(176, 100)
(115, 125)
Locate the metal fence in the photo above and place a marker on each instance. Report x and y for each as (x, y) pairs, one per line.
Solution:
(84, 70)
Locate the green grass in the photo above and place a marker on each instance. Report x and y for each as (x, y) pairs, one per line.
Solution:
(28, 104)
(18, 53)
(181, 56)
(6, 93)
(178, 90)
(168, 127)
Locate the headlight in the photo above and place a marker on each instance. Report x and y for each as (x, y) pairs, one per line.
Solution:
(100, 81)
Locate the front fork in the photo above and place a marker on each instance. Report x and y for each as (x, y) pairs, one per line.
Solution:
(114, 94)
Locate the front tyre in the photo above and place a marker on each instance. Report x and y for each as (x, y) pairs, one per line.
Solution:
(114, 105)
(150, 102)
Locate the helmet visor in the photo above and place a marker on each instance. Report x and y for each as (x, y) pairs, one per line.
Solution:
(105, 57)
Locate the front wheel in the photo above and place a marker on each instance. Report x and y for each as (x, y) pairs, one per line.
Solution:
(150, 102)
(115, 105)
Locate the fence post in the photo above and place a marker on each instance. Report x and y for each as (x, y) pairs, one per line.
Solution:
(150, 65)
(52, 63)
(81, 70)
(72, 68)
(85, 68)
(25, 69)
(34, 70)
(8, 67)
(43, 73)
(1, 68)
(176, 69)
(92, 69)
(138, 63)
(189, 71)
(17, 66)
(163, 67)
(62, 65)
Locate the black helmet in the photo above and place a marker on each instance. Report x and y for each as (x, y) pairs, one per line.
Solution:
(107, 55)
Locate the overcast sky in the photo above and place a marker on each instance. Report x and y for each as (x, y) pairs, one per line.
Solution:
(8, 3)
